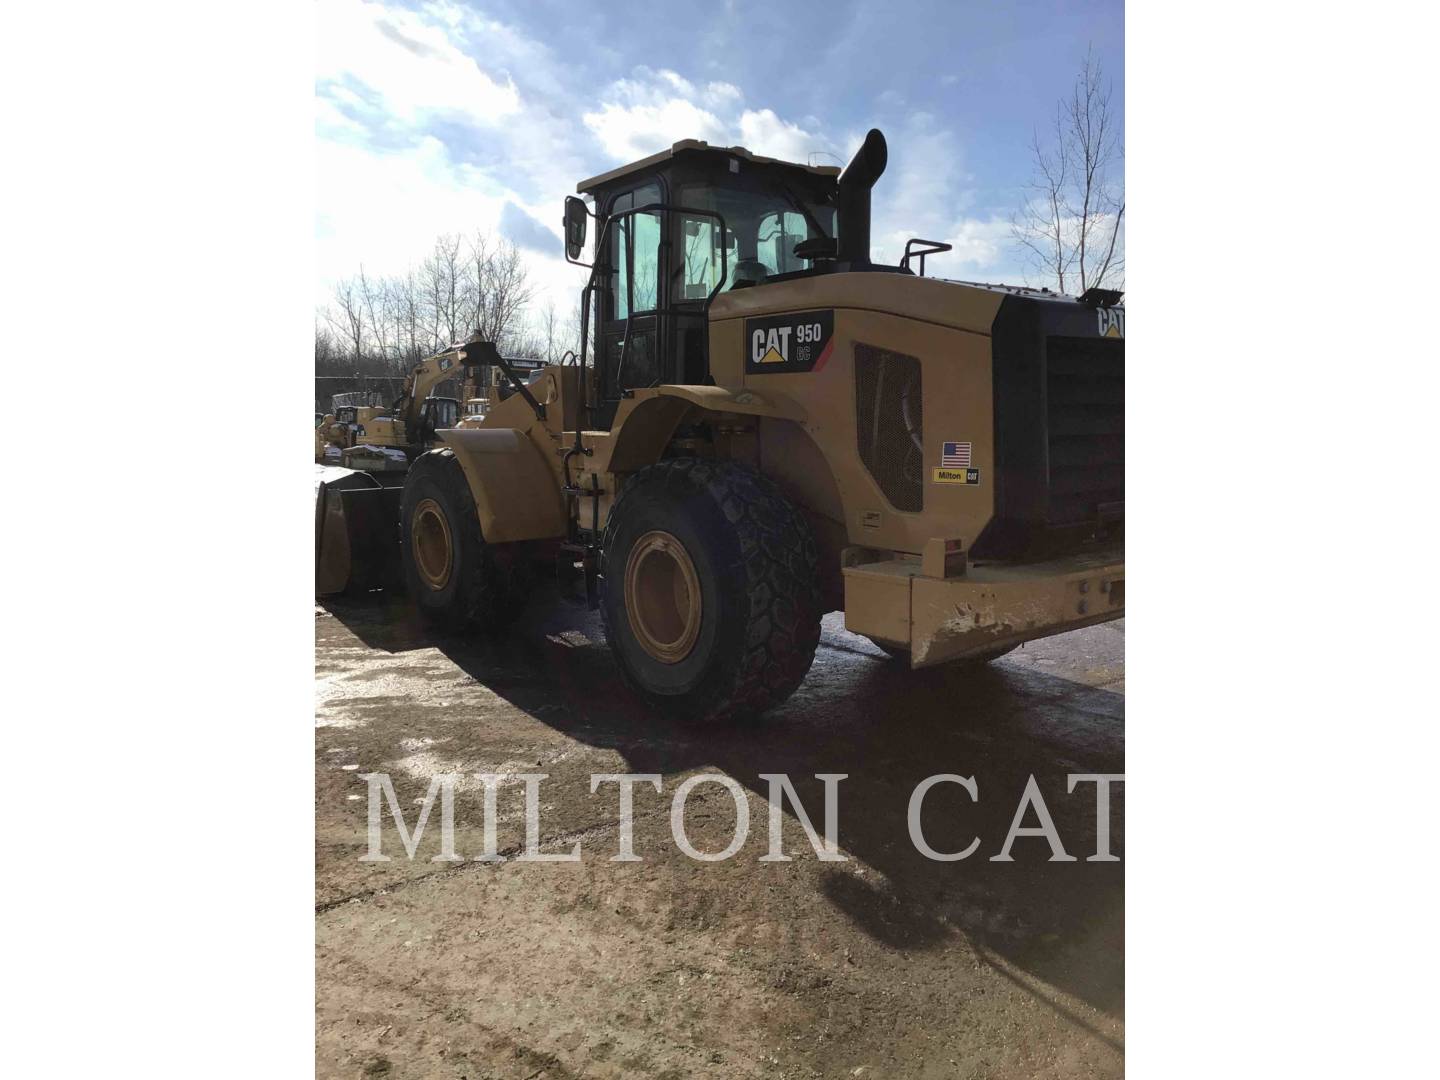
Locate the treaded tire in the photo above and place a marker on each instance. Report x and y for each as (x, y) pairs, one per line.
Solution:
(756, 563)
(483, 590)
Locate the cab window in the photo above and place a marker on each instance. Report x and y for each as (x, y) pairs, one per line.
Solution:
(763, 227)
(643, 231)
(700, 237)
(776, 238)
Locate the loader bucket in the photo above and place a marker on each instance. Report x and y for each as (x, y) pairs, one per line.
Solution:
(357, 540)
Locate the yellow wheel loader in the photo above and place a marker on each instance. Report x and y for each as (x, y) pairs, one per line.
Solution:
(773, 426)
(362, 451)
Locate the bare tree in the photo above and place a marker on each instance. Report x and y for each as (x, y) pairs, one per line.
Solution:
(407, 305)
(373, 304)
(525, 341)
(443, 274)
(1070, 225)
(501, 289)
(327, 349)
(375, 328)
(577, 331)
(550, 329)
(348, 318)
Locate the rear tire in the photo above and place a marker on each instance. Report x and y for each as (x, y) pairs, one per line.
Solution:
(709, 590)
(454, 577)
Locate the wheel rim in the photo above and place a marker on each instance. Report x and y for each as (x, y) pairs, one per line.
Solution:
(430, 542)
(662, 597)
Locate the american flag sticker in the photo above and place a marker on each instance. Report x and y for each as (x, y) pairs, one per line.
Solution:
(955, 455)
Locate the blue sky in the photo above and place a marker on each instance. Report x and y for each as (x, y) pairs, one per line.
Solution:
(451, 116)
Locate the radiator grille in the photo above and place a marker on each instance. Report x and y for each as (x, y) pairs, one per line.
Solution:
(1085, 410)
(888, 424)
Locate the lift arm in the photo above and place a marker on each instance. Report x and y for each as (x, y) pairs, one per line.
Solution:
(423, 378)
(450, 364)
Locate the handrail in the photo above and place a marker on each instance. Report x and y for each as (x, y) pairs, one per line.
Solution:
(934, 247)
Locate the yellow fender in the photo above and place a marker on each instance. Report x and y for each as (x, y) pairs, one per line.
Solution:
(741, 400)
(646, 422)
(517, 493)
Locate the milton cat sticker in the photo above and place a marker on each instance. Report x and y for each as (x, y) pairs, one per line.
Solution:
(1112, 321)
(784, 344)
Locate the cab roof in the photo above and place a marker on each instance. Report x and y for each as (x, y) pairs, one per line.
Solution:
(697, 146)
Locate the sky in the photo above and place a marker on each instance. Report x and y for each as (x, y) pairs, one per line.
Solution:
(457, 115)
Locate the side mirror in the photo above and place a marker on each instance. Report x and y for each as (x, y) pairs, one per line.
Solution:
(576, 222)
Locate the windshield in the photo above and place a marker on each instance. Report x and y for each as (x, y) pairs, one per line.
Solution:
(763, 229)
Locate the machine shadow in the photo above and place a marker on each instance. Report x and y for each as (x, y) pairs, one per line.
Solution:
(381, 618)
(888, 728)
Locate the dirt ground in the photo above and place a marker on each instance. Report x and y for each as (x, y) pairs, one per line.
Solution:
(885, 965)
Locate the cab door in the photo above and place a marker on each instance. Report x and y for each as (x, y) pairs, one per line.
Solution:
(633, 302)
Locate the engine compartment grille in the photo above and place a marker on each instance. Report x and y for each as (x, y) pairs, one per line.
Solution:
(888, 424)
(1059, 471)
(1085, 421)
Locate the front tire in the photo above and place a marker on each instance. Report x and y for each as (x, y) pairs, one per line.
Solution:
(710, 590)
(455, 579)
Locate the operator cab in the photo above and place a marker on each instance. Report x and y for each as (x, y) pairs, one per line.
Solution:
(732, 220)
(439, 412)
(436, 414)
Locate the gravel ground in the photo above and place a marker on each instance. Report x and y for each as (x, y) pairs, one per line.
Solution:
(887, 964)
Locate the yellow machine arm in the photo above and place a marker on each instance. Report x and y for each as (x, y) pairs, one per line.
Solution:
(423, 378)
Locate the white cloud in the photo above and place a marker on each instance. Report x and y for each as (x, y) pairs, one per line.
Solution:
(979, 242)
(677, 83)
(387, 185)
(384, 209)
(652, 110)
(628, 132)
(720, 95)
(411, 63)
(762, 132)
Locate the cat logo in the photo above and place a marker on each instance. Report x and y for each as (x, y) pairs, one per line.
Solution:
(777, 344)
(1112, 321)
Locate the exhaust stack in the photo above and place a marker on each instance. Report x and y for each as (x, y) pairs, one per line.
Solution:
(853, 198)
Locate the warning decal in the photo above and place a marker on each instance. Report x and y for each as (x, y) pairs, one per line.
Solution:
(782, 344)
